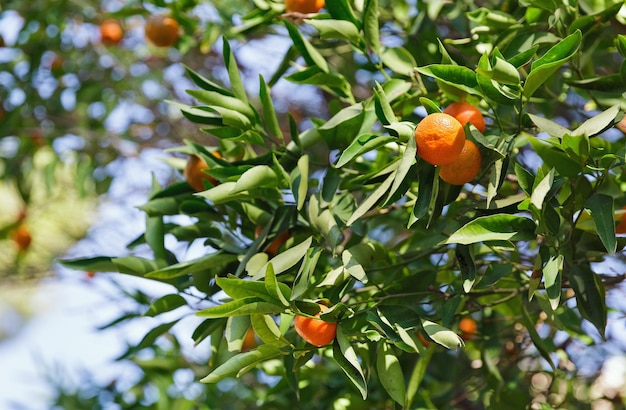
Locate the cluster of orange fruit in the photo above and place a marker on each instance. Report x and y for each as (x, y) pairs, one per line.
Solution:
(441, 141)
(160, 30)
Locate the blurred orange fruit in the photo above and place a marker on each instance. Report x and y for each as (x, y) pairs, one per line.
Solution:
(621, 226)
(111, 32)
(194, 172)
(22, 238)
(304, 6)
(468, 327)
(249, 341)
(162, 31)
(272, 248)
(439, 138)
(315, 331)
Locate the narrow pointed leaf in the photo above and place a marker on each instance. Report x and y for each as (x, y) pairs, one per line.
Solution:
(242, 360)
(600, 206)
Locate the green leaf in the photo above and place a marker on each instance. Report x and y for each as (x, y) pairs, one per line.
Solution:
(548, 126)
(384, 112)
(299, 181)
(492, 18)
(213, 99)
(233, 72)
(620, 43)
(355, 257)
(399, 60)
(286, 260)
(555, 157)
(164, 304)
(257, 177)
(235, 332)
(308, 52)
(342, 10)
(406, 165)
(541, 190)
(153, 335)
(344, 126)
(245, 306)
(390, 373)
(331, 28)
(210, 260)
(456, 76)
(244, 289)
(234, 365)
(497, 227)
(371, 200)
(468, 268)
(206, 84)
(302, 282)
(541, 345)
(269, 114)
(598, 123)
(277, 290)
(324, 221)
(417, 375)
(442, 335)
(552, 273)
(600, 206)
(550, 62)
(265, 327)
(371, 32)
(502, 72)
(97, 264)
(488, 86)
(346, 358)
(362, 144)
(590, 295)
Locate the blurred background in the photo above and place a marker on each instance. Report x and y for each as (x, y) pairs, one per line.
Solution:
(84, 123)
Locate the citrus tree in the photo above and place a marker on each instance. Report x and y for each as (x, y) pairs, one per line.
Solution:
(441, 234)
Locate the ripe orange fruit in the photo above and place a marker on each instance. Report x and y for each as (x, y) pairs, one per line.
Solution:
(466, 166)
(162, 31)
(304, 6)
(440, 138)
(273, 247)
(315, 331)
(466, 112)
(194, 172)
(21, 237)
(621, 226)
(468, 327)
(249, 342)
(111, 32)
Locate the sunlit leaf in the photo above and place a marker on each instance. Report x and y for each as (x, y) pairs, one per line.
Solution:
(390, 373)
(344, 355)
(233, 366)
(550, 62)
(442, 335)
(497, 227)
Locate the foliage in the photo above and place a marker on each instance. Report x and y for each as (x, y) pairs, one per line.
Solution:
(400, 255)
